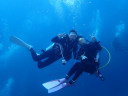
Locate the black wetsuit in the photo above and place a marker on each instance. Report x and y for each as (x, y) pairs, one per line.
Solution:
(87, 65)
(53, 54)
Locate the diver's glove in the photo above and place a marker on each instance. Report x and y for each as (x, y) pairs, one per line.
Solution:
(83, 57)
(64, 61)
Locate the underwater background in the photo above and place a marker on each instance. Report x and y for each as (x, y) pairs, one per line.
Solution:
(38, 21)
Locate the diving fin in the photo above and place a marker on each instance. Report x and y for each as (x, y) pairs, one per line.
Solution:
(20, 42)
(59, 87)
(53, 83)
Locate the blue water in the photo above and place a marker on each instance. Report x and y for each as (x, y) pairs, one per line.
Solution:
(37, 21)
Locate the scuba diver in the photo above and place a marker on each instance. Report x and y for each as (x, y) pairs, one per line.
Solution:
(88, 55)
(63, 46)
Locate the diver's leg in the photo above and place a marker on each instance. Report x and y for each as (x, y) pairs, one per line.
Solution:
(46, 62)
(34, 54)
(99, 75)
(41, 56)
(72, 70)
(77, 74)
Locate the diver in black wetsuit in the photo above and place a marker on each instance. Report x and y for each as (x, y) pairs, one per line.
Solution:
(88, 54)
(63, 47)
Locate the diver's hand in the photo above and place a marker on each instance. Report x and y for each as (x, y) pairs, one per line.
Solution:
(61, 35)
(64, 61)
(92, 35)
(93, 38)
(83, 57)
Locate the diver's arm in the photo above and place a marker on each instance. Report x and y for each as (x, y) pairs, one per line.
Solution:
(75, 49)
(79, 54)
(97, 43)
(58, 38)
(55, 39)
(99, 48)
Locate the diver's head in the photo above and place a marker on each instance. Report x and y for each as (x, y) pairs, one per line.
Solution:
(82, 41)
(73, 35)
